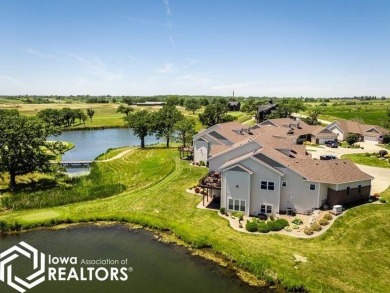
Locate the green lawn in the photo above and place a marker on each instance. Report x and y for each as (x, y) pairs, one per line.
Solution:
(367, 159)
(353, 256)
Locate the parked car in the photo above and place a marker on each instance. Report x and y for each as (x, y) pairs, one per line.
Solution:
(328, 157)
(332, 144)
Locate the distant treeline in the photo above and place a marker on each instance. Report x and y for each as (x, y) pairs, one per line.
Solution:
(35, 99)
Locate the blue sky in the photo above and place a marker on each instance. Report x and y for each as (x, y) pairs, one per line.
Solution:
(146, 47)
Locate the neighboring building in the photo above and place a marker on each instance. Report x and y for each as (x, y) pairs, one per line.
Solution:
(263, 170)
(264, 110)
(369, 133)
(234, 106)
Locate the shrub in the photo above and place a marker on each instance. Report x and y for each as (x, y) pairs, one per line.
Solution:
(197, 190)
(277, 225)
(263, 228)
(222, 210)
(251, 226)
(271, 218)
(308, 231)
(382, 200)
(239, 215)
(287, 229)
(297, 221)
(4, 227)
(262, 217)
(323, 222)
(316, 227)
(328, 217)
(202, 163)
(294, 226)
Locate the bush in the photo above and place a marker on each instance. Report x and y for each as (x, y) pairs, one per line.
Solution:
(202, 163)
(382, 200)
(328, 217)
(316, 227)
(352, 138)
(197, 190)
(239, 215)
(287, 229)
(222, 210)
(4, 227)
(308, 231)
(323, 222)
(277, 225)
(251, 226)
(263, 228)
(262, 217)
(297, 221)
(294, 226)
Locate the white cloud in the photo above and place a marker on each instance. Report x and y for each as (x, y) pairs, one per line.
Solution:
(167, 7)
(166, 68)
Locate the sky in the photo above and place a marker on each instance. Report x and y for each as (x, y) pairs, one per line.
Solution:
(310, 48)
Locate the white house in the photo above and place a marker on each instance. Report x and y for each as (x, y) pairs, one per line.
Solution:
(264, 171)
(369, 133)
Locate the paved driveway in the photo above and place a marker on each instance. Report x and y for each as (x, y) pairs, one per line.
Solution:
(382, 175)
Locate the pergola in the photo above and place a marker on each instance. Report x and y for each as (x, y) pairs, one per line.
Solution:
(210, 182)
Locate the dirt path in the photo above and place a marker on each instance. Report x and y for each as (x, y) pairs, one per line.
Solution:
(118, 156)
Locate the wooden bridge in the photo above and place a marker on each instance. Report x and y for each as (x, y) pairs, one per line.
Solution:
(76, 163)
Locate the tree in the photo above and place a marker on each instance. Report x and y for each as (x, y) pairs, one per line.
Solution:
(352, 138)
(172, 101)
(186, 130)
(141, 123)
(250, 105)
(165, 120)
(192, 105)
(81, 116)
(286, 107)
(386, 123)
(215, 113)
(128, 100)
(312, 118)
(124, 109)
(23, 145)
(50, 116)
(90, 113)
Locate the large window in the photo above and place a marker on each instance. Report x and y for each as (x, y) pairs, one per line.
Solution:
(266, 208)
(312, 187)
(267, 185)
(236, 204)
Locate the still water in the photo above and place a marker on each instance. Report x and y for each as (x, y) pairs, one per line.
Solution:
(91, 143)
(154, 267)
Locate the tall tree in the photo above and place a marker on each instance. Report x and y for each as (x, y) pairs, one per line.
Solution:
(141, 123)
(185, 129)
(288, 106)
(192, 105)
(90, 113)
(312, 117)
(124, 109)
(215, 113)
(166, 118)
(23, 145)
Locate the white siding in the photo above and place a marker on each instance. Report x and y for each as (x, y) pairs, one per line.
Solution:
(201, 151)
(216, 163)
(237, 186)
(335, 129)
(344, 186)
(260, 196)
(297, 194)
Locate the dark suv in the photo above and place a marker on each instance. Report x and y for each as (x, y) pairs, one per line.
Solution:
(328, 157)
(332, 144)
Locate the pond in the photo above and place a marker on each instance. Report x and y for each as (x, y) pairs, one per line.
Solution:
(150, 265)
(91, 143)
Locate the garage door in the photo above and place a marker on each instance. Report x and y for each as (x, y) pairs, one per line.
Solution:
(372, 139)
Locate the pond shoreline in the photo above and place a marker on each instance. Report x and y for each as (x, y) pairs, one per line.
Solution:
(165, 236)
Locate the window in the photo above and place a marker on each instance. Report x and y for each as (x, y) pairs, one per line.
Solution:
(284, 183)
(267, 185)
(359, 189)
(242, 206)
(230, 203)
(312, 187)
(348, 190)
(236, 205)
(266, 208)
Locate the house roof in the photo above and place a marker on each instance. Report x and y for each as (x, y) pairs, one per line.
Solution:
(350, 126)
(267, 107)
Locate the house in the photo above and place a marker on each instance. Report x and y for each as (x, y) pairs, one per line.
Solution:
(264, 170)
(369, 133)
(264, 110)
(234, 106)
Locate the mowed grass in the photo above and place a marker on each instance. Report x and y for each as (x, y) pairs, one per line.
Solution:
(353, 256)
(128, 173)
(367, 159)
